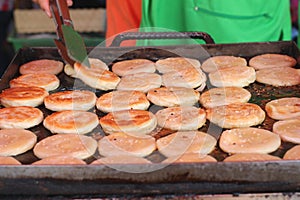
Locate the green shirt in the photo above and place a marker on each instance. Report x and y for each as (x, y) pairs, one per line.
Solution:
(227, 21)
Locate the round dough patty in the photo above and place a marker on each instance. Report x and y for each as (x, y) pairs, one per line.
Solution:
(236, 115)
(288, 130)
(181, 118)
(271, 60)
(125, 144)
(284, 108)
(70, 100)
(59, 160)
(173, 96)
(122, 100)
(42, 66)
(223, 96)
(293, 153)
(182, 142)
(133, 66)
(190, 158)
(219, 62)
(232, 77)
(71, 121)
(16, 141)
(279, 76)
(23, 96)
(140, 81)
(47, 81)
(249, 140)
(8, 160)
(176, 63)
(20, 117)
(129, 121)
(244, 157)
(78, 146)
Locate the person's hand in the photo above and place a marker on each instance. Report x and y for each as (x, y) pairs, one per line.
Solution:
(44, 4)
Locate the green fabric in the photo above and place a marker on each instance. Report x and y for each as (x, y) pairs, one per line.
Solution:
(227, 21)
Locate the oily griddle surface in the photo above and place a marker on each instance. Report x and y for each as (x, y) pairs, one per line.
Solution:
(217, 172)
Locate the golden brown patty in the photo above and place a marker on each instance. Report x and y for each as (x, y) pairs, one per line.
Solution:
(186, 142)
(244, 157)
(190, 78)
(219, 62)
(96, 78)
(284, 108)
(133, 66)
(47, 81)
(140, 82)
(293, 153)
(70, 100)
(223, 96)
(16, 141)
(23, 96)
(78, 146)
(59, 160)
(181, 118)
(129, 121)
(236, 115)
(190, 158)
(288, 130)
(42, 66)
(279, 76)
(173, 96)
(71, 121)
(122, 160)
(272, 60)
(176, 63)
(122, 100)
(249, 140)
(232, 77)
(7, 160)
(20, 117)
(125, 144)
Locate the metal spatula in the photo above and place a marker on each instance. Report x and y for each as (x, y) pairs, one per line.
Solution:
(69, 43)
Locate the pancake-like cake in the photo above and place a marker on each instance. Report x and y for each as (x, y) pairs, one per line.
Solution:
(42, 66)
(140, 82)
(269, 60)
(71, 121)
(249, 140)
(223, 96)
(122, 100)
(176, 63)
(293, 153)
(121, 160)
(232, 77)
(219, 62)
(181, 118)
(236, 115)
(187, 77)
(181, 142)
(8, 160)
(133, 66)
(190, 158)
(173, 96)
(129, 121)
(47, 81)
(16, 141)
(125, 144)
(74, 145)
(71, 100)
(288, 130)
(96, 77)
(60, 160)
(245, 157)
(279, 76)
(284, 108)
(22, 117)
(23, 96)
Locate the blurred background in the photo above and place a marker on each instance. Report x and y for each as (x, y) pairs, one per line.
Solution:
(24, 24)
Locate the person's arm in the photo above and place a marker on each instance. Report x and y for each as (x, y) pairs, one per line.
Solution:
(44, 4)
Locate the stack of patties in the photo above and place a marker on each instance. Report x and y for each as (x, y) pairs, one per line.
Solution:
(275, 69)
